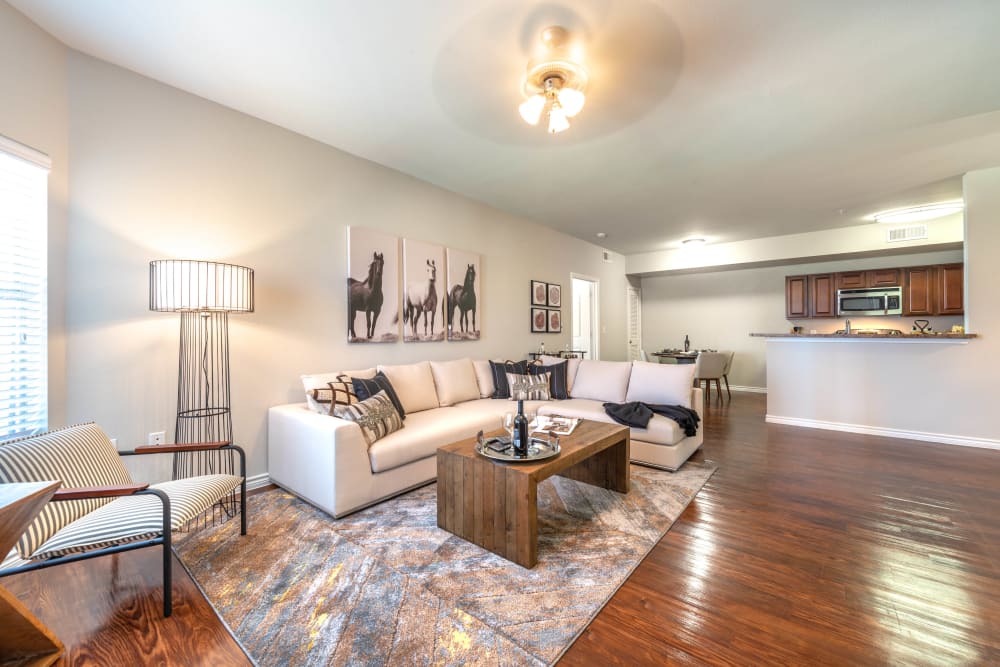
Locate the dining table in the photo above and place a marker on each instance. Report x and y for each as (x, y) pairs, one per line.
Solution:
(676, 357)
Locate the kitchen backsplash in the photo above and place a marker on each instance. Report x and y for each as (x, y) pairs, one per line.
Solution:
(904, 324)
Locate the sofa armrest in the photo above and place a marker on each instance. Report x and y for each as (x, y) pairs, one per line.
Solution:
(79, 493)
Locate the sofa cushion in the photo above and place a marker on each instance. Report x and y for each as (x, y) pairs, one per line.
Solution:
(318, 385)
(78, 456)
(528, 387)
(572, 367)
(426, 431)
(414, 383)
(661, 384)
(558, 386)
(484, 377)
(659, 431)
(365, 389)
(602, 380)
(499, 370)
(376, 415)
(455, 381)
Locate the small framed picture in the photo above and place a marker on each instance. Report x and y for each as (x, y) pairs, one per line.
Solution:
(538, 293)
(554, 296)
(555, 321)
(539, 317)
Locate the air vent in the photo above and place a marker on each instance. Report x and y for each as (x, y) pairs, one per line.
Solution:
(607, 257)
(908, 233)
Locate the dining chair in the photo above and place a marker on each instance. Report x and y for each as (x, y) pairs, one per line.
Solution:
(710, 367)
(725, 372)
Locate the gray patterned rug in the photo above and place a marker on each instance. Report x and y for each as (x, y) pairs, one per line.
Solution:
(386, 586)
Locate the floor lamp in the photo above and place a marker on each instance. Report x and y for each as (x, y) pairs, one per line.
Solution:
(204, 293)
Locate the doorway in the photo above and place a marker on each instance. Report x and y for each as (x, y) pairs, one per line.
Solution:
(586, 316)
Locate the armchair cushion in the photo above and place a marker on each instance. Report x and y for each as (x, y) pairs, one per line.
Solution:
(78, 456)
(139, 517)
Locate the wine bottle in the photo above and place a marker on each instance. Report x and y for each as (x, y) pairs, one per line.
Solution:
(687, 343)
(520, 434)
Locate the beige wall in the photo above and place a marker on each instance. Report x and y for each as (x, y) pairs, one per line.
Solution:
(158, 173)
(934, 390)
(34, 112)
(720, 309)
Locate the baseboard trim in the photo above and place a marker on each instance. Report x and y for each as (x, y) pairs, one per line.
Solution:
(749, 390)
(943, 438)
(258, 481)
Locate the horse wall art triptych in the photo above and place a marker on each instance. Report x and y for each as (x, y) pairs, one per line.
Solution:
(440, 296)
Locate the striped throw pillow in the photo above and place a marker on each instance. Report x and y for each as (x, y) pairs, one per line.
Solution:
(528, 387)
(376, 416)
(78, 456)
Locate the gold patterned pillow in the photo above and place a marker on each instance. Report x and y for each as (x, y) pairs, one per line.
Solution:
(529, 387)
(376, 416)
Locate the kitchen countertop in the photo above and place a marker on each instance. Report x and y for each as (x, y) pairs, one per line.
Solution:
(904, 336)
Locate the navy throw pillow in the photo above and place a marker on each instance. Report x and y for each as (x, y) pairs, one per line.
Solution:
(558, 378)
(367, 388)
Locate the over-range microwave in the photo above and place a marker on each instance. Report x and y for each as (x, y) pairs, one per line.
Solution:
(870, 301)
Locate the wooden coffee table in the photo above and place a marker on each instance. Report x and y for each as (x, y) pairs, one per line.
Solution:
(495, 504)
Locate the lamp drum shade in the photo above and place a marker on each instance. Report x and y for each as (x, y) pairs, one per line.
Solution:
(184, 285)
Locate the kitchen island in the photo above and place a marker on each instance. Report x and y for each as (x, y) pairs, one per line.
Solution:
(902, 385)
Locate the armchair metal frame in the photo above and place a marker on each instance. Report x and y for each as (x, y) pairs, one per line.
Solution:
(142, 489)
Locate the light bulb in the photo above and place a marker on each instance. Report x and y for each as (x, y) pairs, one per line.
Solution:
(557, 119)
(571, 100)
(531, 109)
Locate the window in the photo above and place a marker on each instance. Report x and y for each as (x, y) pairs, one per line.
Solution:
(23, 286)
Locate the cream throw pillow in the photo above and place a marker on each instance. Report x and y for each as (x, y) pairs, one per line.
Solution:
(661, 384)
(414, 385)
(455, 381)
(602, 380)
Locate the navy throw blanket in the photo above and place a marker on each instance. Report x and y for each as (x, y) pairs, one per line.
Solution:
(638, 415)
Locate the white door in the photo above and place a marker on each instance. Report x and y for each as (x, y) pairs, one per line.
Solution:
(634, 301)
(585, 317)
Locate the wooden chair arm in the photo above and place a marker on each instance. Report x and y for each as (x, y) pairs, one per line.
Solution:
(181, 447)
(98, 491)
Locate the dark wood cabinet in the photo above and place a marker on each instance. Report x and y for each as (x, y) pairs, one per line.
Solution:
(852, 280)
(918, 290)
(822, 295)
(883, 278)
(950, 289)
(796, 304)
(927, 290)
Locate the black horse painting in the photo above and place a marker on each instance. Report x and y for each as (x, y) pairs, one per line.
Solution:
(365, 296)
(463, 297)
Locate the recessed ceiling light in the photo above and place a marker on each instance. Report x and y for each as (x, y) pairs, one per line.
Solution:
(694, 241)
(601, 235)
(922, 212)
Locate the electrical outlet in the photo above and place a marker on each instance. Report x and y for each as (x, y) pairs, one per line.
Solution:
(157, 437)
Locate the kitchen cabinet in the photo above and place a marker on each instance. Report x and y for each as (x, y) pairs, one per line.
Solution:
(950, 289)
(883, 278)
(796, 304)
(852, 280)
(822, 295)
(918, 290)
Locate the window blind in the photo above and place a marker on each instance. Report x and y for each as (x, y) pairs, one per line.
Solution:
(23, 290)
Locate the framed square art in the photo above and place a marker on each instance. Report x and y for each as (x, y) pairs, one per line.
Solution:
(554, 296)
(539, 320)
(539, 293)
(554, 321)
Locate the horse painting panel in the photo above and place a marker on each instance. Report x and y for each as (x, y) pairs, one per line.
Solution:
(424, 295)
(464, 295)
(372, 287)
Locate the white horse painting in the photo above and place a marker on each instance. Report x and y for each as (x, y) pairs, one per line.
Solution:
(423, 294)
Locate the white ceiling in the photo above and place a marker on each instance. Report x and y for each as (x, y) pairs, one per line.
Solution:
(718, 118)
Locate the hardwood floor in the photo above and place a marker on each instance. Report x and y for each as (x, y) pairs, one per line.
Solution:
(806, 547)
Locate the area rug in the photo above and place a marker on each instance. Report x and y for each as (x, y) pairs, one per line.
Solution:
(386, 586)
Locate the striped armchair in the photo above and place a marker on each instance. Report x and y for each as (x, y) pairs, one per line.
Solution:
(99, 510)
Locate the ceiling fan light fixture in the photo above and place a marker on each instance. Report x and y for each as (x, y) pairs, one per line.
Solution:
(920, 213)
(555, 82)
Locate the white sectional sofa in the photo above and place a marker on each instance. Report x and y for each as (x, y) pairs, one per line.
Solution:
(326, 461)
